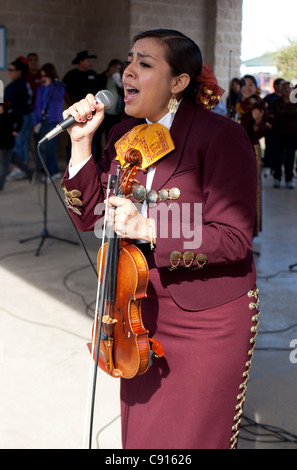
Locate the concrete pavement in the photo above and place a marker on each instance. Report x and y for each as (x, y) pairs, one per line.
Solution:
(46, 316)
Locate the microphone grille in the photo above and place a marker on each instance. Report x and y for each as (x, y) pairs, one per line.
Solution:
(105, 97)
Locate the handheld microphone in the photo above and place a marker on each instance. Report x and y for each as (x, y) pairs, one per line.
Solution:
(103, 96)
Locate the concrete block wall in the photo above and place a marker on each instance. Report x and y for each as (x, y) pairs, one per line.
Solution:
(58, 29)
(215, 25)
(227, 43)
(187, 16)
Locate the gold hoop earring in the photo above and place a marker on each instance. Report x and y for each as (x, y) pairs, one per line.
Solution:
(173, 105)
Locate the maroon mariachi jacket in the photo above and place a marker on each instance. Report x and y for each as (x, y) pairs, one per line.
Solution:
(214, 168)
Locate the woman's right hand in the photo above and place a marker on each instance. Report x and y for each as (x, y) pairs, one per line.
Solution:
(88, 114)
(258, 115)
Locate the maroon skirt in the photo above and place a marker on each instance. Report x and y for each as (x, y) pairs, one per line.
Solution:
(193, 397)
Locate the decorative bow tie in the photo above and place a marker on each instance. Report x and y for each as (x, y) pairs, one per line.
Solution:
(152, 140)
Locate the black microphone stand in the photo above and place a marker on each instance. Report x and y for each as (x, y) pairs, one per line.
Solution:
(45, 234)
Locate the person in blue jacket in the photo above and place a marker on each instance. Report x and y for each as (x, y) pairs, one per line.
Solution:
(48, 110)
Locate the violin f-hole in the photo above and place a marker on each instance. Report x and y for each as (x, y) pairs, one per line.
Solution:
(127, 334)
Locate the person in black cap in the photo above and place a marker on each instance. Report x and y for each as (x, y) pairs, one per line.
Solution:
(81, 80)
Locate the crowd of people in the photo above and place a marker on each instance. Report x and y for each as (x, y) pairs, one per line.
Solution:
(35, 97)
(202, 301)
(272, 117)
(33, 105)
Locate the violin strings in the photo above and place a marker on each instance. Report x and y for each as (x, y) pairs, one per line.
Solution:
(107, 267)
(92, 362)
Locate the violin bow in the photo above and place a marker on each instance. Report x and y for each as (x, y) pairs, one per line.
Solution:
(98, 297)
(109, 266)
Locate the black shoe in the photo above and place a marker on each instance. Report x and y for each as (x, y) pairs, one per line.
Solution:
(276, 183)
(31, 176)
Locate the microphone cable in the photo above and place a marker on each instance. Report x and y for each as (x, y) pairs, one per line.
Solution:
(264, 433)
(107, 99)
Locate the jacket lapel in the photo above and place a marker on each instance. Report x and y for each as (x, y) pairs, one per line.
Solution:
(179, 132)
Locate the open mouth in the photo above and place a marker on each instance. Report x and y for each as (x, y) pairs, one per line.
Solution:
(131, 94)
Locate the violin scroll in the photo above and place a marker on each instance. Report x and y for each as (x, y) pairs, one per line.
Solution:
(133, 157)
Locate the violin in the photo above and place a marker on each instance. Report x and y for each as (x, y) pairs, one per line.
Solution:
(125, 348)
(251, 103)
(120, 344)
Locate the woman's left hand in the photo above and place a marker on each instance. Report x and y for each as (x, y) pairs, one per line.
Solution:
(128, 222)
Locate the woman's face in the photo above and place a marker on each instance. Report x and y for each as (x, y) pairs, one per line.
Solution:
(14, 73)
(147, 81)
(45, 79)
(236, 87)
(249, 89)
(286, 91)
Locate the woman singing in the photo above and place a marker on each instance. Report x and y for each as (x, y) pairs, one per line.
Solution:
(202, 302)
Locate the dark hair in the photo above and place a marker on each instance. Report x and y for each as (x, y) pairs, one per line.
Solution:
(20, 64)
(115, 62)
(181, 53)
(251, 77)
(49, 70)
(235, 80)
(277, 81)
(32, 54)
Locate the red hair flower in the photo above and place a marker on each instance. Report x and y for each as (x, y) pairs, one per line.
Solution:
(22, 59)
(209, 92)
